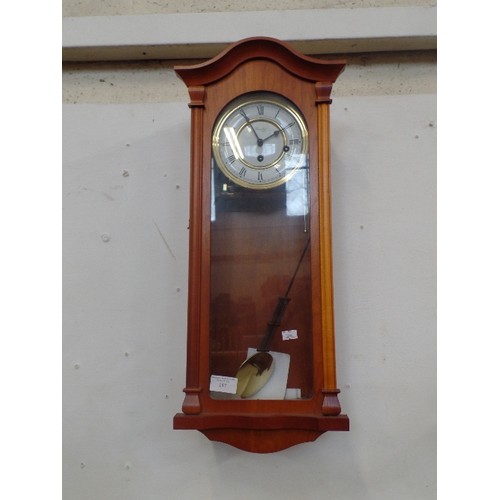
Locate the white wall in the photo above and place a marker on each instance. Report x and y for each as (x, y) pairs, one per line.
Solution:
(125, 209)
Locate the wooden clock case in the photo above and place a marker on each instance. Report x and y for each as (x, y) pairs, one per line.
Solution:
(262, 426)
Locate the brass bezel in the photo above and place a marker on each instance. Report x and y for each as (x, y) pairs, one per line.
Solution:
(255, 98)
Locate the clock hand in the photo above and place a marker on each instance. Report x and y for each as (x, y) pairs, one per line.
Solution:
(249, 123)
(276, 132)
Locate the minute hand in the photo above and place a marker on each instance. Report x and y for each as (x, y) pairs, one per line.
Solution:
(276, 132)
(249, 123)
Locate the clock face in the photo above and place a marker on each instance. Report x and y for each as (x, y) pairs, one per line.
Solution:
(260, 140)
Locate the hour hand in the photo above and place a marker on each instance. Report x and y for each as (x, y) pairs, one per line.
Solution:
(276, 132)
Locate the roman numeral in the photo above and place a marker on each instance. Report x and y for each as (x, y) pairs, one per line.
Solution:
(260, 177)
(242, 172)
(260, 109)
(231, 159)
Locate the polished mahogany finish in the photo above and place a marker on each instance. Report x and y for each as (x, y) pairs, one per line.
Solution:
(260, 425)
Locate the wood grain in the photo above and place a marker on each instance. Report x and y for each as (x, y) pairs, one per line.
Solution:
(262, 64)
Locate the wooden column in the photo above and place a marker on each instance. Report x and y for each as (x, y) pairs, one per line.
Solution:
(331, 404)
(192, 403)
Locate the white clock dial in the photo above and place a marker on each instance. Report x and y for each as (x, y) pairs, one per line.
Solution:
(260, 140)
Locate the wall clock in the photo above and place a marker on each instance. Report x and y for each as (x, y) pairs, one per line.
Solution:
(261, 372)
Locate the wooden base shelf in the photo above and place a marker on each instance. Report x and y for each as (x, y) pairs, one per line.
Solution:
(261, 433)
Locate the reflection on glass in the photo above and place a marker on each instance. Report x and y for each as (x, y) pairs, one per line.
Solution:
(297, 194)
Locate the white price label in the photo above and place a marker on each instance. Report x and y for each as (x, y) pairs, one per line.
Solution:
(219, 383)
(289, 334)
